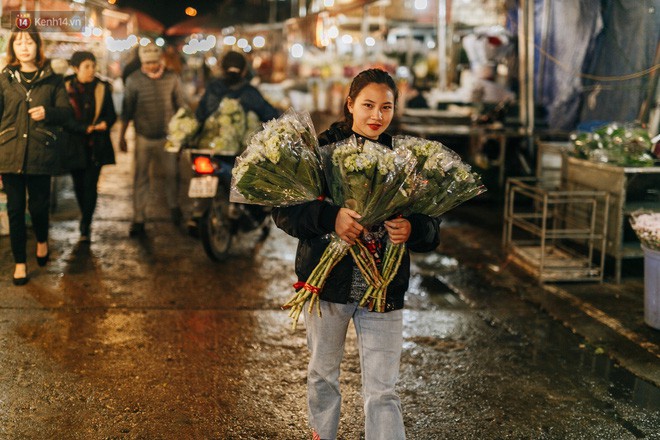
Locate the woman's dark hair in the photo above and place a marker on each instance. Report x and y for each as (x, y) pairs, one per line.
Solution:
(233, 67)
(78, 57)
(40, 60)
(363, 79)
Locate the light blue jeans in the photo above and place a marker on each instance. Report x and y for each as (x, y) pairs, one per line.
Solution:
(380, 340)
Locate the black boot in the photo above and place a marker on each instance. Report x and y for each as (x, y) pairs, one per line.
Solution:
(85, 233)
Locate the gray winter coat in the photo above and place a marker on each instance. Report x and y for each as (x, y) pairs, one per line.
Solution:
(28, 146)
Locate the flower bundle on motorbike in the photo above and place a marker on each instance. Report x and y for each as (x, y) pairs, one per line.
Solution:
(227, 130)
(442, 182)
(181, 129)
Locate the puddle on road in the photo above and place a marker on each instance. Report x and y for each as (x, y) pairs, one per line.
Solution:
(551, 344)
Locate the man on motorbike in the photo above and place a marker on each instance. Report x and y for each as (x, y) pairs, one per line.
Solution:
(233, 84)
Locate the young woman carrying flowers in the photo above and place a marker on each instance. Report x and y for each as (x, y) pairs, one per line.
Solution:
(368, 112)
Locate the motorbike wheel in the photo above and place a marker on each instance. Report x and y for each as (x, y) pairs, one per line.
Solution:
(215, 231)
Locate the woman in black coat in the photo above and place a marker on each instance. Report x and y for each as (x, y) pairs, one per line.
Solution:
(33, 108)
(94, 115)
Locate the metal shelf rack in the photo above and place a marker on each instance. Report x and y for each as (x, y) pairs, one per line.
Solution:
(554, 234)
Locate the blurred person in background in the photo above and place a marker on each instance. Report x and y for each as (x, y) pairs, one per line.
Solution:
(173, 59)
(94, 115)
(132, 65)
(152, 96)
(33, 105)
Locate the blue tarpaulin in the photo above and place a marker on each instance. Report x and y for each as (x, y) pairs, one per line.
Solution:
(594, 58)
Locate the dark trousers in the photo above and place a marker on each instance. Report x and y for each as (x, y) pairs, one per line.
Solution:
(38, 203)
(85, 183)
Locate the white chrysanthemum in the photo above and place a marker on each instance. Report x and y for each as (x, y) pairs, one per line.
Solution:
(647, 228)
(225, 129)
(343, 150)
(229, 105)
(434, 163)
(182, 125)
(272, 152)
(359, 162)
(225, 121)
(424, 149)
(463, 174)
(419, 146)
(386, 163)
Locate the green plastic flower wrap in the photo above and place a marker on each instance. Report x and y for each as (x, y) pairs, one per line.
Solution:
(442, 182)
(181, 129)
(280, 165)
(370, 179)
(622, 144)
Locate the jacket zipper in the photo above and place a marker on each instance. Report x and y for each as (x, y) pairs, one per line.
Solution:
(27, 100)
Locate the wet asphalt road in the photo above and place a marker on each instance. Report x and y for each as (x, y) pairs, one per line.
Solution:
(148, 339)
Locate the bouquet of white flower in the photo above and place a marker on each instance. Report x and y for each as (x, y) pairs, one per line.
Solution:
(442, 182)
(180, 130)
(227, 130)
(280, 165)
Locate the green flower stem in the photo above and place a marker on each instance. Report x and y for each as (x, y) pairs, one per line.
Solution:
(366, 263)
(335, 251)
(375, 295)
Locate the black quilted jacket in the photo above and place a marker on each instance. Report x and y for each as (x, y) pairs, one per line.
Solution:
(27, 146)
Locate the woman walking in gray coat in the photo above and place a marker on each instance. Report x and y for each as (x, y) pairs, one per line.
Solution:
(33, 104)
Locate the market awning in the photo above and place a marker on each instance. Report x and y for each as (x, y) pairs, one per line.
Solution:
(200, 24)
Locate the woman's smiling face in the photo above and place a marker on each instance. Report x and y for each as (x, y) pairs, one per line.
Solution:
(372, 110)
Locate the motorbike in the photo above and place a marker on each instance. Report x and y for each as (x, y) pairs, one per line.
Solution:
(220, 222)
